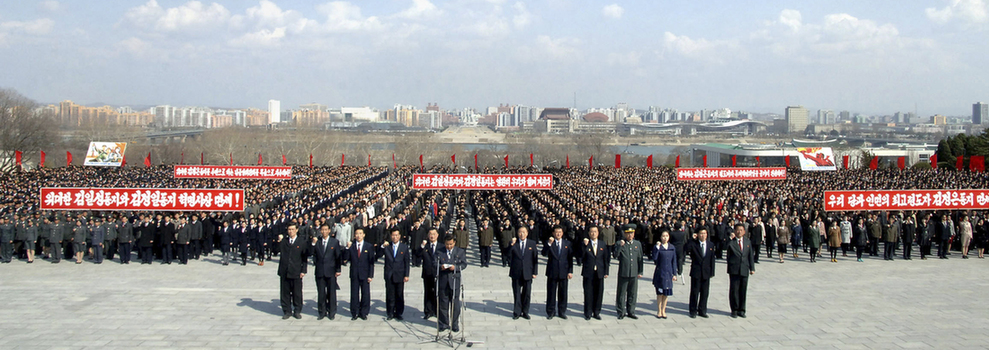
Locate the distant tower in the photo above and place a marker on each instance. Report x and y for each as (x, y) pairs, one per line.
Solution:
(980, 112)
(274, 111)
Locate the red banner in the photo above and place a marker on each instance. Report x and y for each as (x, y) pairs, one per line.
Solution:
(233, 172)
(482, 182)
(157, 199)
(906, 200)
(687, 174)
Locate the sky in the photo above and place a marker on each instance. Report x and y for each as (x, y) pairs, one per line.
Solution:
(871, 57)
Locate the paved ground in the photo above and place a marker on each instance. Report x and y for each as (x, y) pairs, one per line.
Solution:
(848, 305)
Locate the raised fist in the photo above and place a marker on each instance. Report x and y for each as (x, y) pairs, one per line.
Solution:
(514, 240)
(551, 239)
(423, 244)
(348, 244)
(621, 243)
(586, 241)
(385, 245)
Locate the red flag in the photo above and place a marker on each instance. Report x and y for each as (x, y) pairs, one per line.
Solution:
(618, 161)
(123, 161)
(394, 164)
(677, 164)
(934, 161)
(310, 160)
(260, 160)
(844, 161)
(590, 163)
(420, 162)
(787, 159)
(42, 163)
(758, 163)
(342, 157)
(284, 160)
(568, 161)
(202, 159)
(68, 158)
(453, 158)
(368, 160)
(532, 160)
(901, 162)
(17, 158)
(506, 161)
(182, 158)
(734, 157)
(705, 161)
(475, 162)
(649, 162)
(977, 163)
(231, 159)
(147, 161)
(959, 163)
(874, 164)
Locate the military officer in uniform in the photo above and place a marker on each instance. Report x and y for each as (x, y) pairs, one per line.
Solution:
(629, 254)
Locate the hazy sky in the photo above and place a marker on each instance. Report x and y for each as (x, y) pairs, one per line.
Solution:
(875, 57)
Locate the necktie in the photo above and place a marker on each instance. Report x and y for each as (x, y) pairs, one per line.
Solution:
(523, 247)
(291, 241)
(739, 244)
(559, 248)
(595, 244)
(394, 253)
(359, 250)
(432, 248)
(703, 249)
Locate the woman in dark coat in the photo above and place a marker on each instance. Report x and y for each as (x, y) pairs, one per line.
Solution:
(981, 237)
(860, 238)
(665, 257)
(925, 230)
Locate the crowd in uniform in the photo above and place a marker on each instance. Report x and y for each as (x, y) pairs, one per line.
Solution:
(592, 219)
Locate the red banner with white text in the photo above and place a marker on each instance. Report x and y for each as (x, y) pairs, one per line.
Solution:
(688, 174)
(233, 172)
(482, 181)
(152, 199)
(905, 200)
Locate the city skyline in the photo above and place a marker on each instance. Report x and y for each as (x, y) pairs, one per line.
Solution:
(864, 57)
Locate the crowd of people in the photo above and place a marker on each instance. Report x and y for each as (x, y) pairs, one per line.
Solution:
(592, 219)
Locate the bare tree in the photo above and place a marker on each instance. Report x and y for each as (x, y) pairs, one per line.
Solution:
(22, 128)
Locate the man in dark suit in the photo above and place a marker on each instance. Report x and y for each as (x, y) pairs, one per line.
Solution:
(741, 264)
(702, 254)
(227, 238)
(182, 239)
(429, 271)
(559, 271)
(166, 238)
(523, 268)
(360, 256)
(397, 261)
(327, 258)
(596, 262)
(292, 267)
(125, 239)
(146, 240)
(451, 260)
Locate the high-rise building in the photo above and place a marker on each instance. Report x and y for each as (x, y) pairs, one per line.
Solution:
(274, 111)
(845, 116)
(796, 119)
(980, 113)
(826, 116)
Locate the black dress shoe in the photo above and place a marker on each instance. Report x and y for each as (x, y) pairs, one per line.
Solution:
(549, 317)
(741, 314)
(353, 318)
(389, 318)
(597, 317)
(515, 317)
(693, 315)
(443, 329)
(633, 316)
(399, 318)
(703, 315)
(332, 317)
(425, 317)
(525, 316)
(456, 329)
(286, 316)
(297, 316)
(587, 318)
(734, 314)
(364, 318)
(320, 318)
(562, 316)
(621, 317)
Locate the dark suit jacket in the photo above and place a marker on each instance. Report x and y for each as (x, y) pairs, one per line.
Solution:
(361, 265)
(602, 260)
(741, 260)
(396, 265)
(558, 265)
(451, 279)
(292, 260)
(523, 264)
(327, 260)
(429, 260)
(701, 267)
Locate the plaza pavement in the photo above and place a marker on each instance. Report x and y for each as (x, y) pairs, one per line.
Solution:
(876, 304)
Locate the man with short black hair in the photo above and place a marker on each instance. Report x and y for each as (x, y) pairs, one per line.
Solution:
(397, 261)
(327, 256)
(741, 264)
(292, 267)
(451, 260)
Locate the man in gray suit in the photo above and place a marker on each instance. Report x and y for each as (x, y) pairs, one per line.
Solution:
(629, 255)
(53, 232)
(741, 264)
(99, 235)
